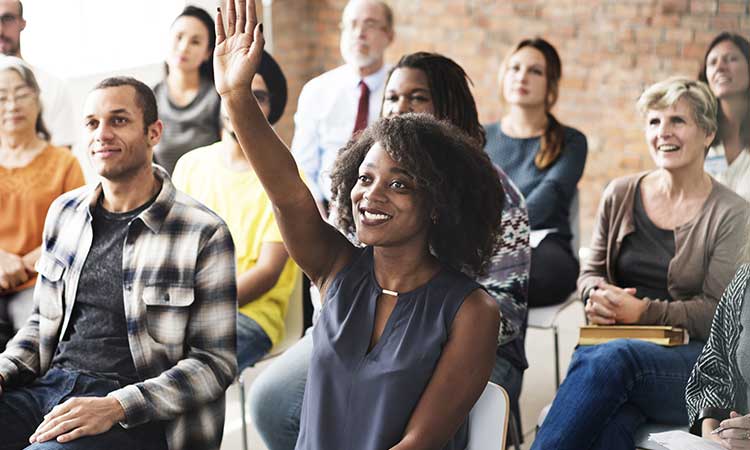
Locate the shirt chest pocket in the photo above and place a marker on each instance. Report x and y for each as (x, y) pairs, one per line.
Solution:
(50, 286)
(168, 312)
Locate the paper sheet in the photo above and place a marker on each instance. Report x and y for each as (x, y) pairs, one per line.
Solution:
(536, 236)
(680, 440)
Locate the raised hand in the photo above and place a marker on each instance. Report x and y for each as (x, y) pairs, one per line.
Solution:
(239, 46)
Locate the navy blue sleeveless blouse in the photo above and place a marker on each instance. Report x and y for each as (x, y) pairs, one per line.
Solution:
(355, 400)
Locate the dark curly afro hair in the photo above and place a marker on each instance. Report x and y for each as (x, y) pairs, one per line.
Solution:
(458, 182)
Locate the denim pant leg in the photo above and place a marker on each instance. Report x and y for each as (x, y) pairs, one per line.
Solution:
(149, 436)
(276, 396)
(603, 378)
(252, 342)
(22, 409)
(619, 433)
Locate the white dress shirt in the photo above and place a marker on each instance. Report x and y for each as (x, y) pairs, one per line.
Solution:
(735, 176)
(324, 121)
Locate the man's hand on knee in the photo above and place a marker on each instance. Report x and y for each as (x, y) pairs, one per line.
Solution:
(78, 417)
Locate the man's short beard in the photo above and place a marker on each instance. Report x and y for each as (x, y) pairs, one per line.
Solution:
(356, 59)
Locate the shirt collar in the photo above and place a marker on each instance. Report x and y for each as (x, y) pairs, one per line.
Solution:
(373, 81)
(153, 216)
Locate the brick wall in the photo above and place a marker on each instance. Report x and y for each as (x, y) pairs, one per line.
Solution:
(611, 49)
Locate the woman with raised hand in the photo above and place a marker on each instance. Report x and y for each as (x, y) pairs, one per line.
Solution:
(433, 84)
(187, 100)
(665, 245)
(726, 69)
(545, 159)
(405, 342)
(32, 174)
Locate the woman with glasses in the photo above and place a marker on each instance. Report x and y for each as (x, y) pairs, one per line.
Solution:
(187, 100)
(665, 245)
(726, 69)
(32, 174)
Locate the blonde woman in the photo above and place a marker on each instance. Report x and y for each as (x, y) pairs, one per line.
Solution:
(665, 246)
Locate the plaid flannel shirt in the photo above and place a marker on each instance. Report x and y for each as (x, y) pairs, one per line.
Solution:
(179, 291)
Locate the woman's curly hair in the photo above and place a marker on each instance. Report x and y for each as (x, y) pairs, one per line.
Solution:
(459, 184)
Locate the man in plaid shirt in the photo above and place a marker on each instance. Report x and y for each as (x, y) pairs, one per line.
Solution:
(132, 341)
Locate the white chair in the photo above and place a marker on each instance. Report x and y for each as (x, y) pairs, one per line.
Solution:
(293, 327)
(488, 419)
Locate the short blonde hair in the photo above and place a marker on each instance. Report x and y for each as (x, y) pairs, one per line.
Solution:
(667, 93)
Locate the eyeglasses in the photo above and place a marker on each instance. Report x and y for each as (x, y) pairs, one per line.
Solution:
(9, 19)
(20, 97)
(262, 96)
(367, 26)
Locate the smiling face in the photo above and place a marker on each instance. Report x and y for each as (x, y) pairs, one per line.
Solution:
(675, 139)
(19, 103)
(118, 146)
(727, 70)
(365, 34)
(525, 78)
(189, 44)
(388, 208)
(407, 91)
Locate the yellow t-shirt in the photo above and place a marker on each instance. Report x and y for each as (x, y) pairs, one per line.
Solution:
(239, 199)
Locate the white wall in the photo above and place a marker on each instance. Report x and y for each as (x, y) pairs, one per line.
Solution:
(84, 41)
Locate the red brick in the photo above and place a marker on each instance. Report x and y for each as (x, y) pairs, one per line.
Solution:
(675, 6)
(610, 51)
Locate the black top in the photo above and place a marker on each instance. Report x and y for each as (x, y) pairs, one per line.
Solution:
(96, 341)
(643, 262)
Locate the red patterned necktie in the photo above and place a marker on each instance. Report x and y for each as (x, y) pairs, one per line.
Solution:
(363, 108)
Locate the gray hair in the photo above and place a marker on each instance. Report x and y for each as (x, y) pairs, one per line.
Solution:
(667, 93)
(27, 75)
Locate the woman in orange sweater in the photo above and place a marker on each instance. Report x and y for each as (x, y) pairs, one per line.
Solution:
(32, 174)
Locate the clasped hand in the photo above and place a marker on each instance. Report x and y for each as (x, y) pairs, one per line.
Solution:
(608, 304)
(14, 270)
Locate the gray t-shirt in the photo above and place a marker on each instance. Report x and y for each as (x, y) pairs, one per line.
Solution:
(743, 352)
(96, 340)
(186, 127)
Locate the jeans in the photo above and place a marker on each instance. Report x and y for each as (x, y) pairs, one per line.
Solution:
(23, 409)
(613, 388)
(275, 402)
(252, 342)
(15, 308)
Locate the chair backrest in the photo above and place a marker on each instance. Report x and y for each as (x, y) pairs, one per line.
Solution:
(488, 419)
(293, 320)
(574, 216)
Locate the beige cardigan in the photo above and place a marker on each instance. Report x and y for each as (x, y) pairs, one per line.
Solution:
(707, 251)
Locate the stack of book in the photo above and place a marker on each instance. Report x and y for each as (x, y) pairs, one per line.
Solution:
(667, 336)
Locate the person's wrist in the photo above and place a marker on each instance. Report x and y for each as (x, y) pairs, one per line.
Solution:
(117, 411)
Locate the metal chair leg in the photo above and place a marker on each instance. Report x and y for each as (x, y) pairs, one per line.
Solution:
(515, 439)
(557, 357)
(241, 385)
